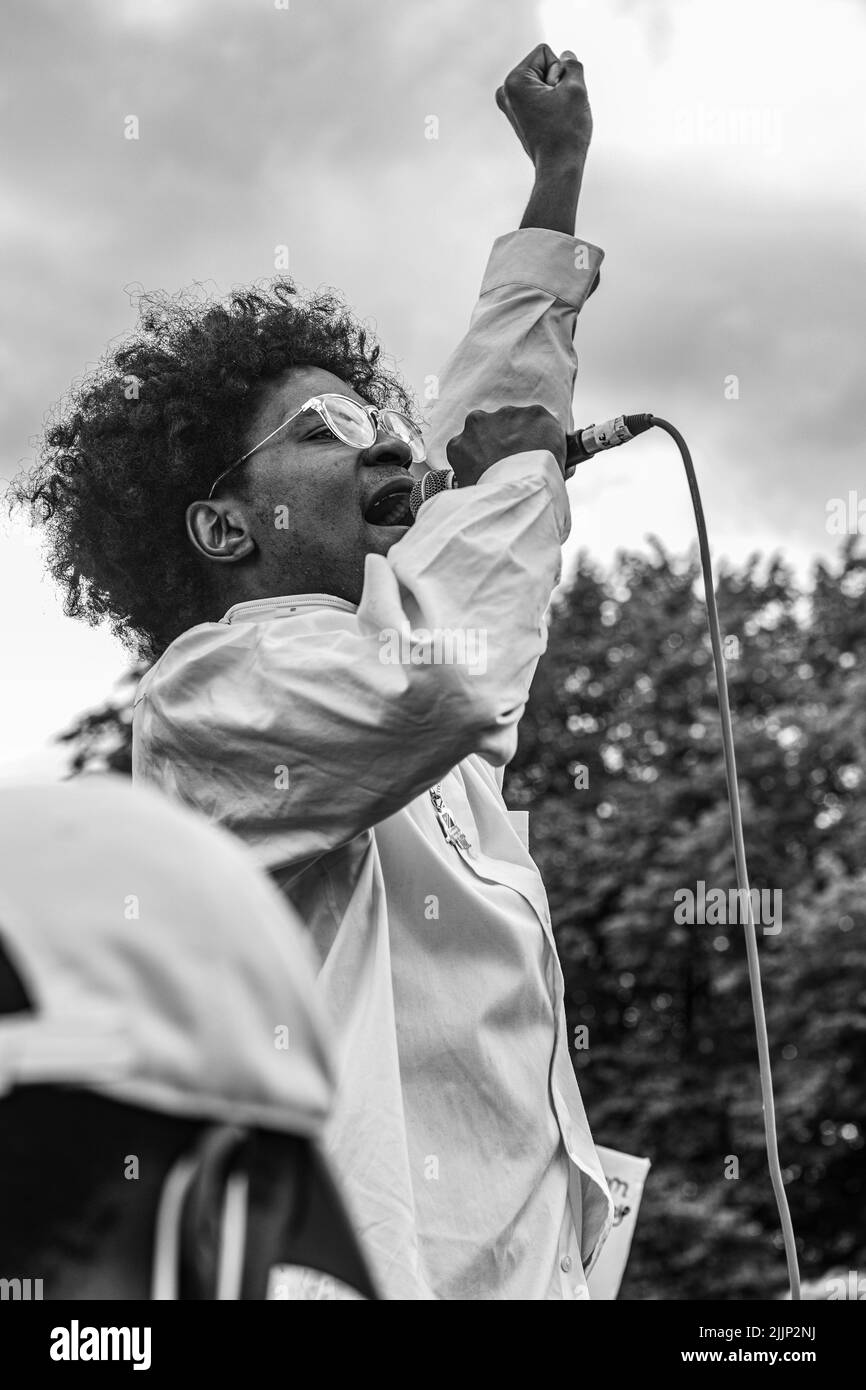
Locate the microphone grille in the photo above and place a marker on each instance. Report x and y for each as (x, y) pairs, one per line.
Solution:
(437, 480)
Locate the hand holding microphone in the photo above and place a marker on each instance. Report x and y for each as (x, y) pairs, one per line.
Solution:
(490, 435)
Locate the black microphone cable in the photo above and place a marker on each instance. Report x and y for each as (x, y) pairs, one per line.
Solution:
(768, 1105)
(582, 445)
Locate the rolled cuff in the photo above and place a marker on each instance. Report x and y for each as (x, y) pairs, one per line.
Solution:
(559, 265)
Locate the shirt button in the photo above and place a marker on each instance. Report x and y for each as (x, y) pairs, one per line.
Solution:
(565, 1263)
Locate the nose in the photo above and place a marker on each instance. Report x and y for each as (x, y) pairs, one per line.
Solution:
(387, 449)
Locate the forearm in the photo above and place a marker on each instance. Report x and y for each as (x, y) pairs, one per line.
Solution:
(555, 194)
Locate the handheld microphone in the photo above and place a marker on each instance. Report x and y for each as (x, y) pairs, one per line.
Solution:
(437, 480)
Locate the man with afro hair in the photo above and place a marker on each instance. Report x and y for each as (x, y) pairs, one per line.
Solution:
(338, 678)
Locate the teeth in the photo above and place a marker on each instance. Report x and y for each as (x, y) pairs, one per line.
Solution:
(392, 510)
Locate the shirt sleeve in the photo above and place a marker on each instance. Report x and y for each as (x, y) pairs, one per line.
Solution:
(519, 347)
(300, 733)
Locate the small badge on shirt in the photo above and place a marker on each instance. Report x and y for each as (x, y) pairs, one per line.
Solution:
(450, 829)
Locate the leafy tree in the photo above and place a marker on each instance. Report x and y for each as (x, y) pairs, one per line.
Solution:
(101, 741)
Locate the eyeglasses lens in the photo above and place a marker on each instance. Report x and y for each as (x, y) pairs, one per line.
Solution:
(399, 425)
(350, 422)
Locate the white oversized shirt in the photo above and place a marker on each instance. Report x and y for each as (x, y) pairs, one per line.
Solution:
(315, 729)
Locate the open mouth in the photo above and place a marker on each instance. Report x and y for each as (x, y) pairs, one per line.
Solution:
(390, 504)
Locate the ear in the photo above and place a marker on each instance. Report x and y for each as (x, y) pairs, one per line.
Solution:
(219, 530)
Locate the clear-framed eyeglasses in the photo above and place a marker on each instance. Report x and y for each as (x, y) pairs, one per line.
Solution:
(352, 422)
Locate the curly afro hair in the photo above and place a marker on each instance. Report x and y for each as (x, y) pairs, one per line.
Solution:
(150, 428)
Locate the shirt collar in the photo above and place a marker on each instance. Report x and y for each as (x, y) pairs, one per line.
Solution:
(279, 607)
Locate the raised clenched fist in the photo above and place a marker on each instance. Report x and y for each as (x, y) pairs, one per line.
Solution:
(545, 100)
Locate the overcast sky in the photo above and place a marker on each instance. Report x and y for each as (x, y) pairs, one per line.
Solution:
(726, 184)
